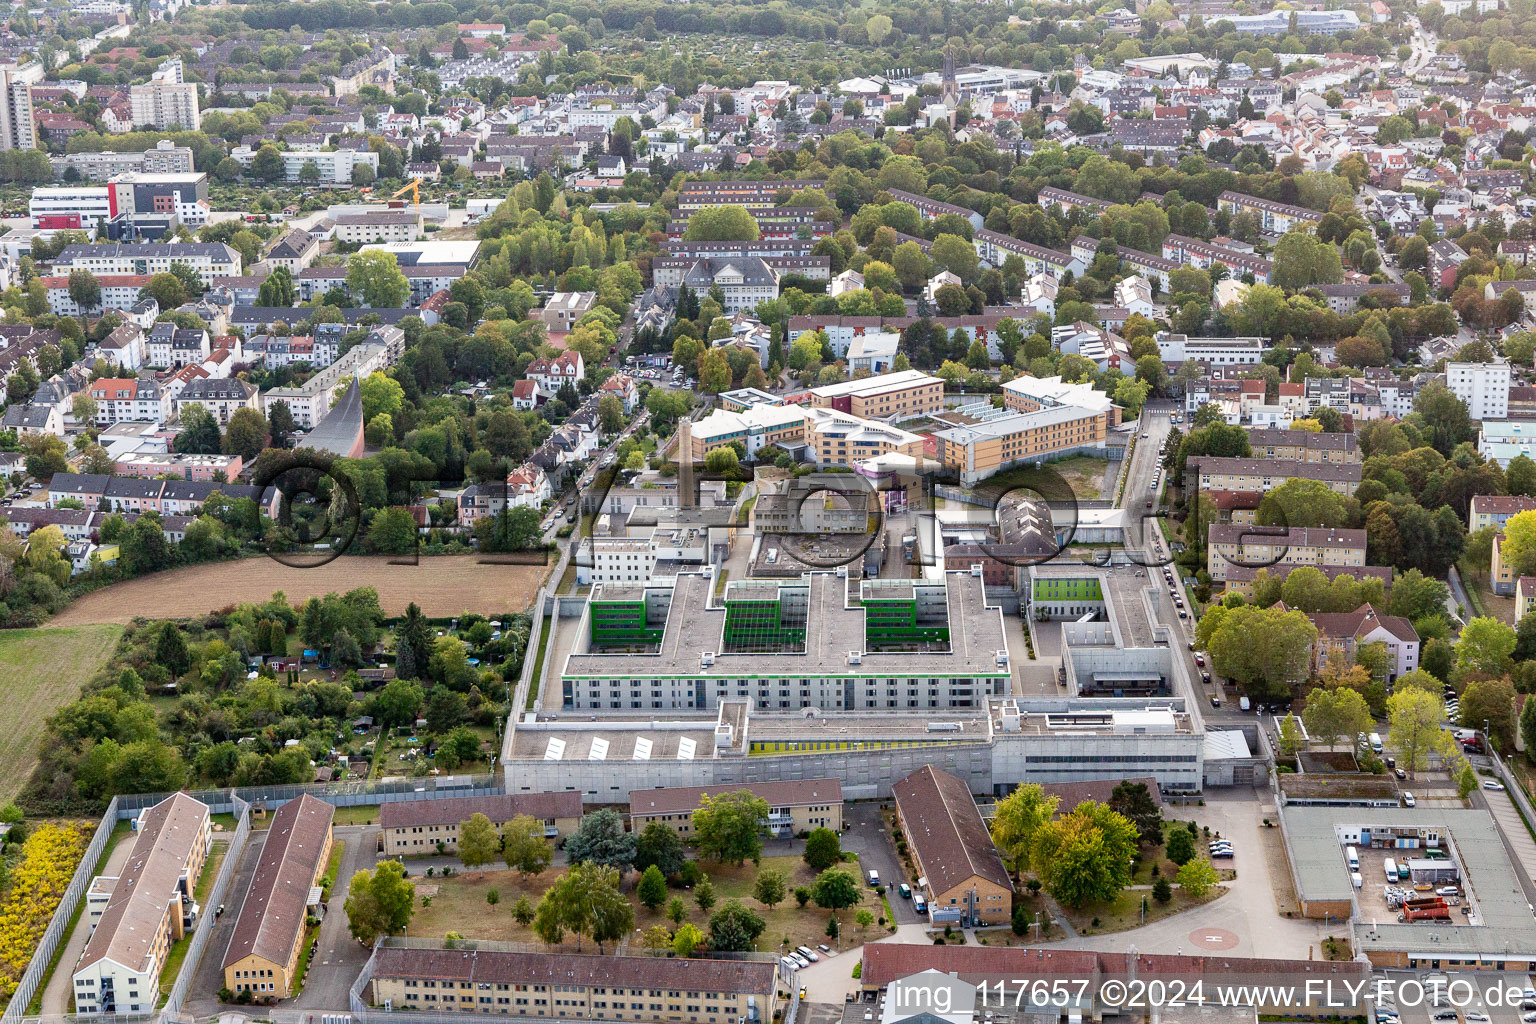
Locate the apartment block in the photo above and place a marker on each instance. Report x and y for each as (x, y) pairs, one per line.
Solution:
(1484, 387)
(1222, 474)
(1232, 544)
(1303, 446)
(1496, 509)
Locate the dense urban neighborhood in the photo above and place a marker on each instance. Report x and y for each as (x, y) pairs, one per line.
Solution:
(963, 512)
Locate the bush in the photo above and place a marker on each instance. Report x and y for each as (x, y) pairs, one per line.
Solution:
(48, 861)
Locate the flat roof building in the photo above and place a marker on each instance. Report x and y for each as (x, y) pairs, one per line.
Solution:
(823, 641)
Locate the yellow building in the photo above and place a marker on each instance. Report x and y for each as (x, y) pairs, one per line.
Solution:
(1303, 445)
(900, 395)
(263, 953)
(841, 439)
(794, 807)
(755, 428)
(1501, 574)
(1232, 544)
(1525, 594)
(573, 986)
(1046, 418)
(1222, 474)
(418, 826)
(952, 850)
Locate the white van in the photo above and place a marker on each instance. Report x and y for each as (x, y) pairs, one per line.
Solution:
(1389, 868)
(1354, 876)
(1376, 742)
(874, 877)
(1352, 855)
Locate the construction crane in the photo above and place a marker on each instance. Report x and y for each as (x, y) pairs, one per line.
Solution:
(414, 188)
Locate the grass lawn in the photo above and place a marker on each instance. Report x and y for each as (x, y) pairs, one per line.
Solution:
(178, 952)
(538, 664)
(121, 830)
(361, 814)
(308, 950)
(459, 905)
(328, 877)
(44, 669)
(1082, 473)
(1124, 912)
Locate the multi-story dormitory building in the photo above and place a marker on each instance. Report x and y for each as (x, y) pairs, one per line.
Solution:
(1195, 253)
(136, 917)
(820, 641)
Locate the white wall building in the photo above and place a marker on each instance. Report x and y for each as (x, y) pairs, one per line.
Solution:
(1484, 387)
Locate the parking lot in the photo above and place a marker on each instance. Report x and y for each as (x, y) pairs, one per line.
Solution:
(1471, 998)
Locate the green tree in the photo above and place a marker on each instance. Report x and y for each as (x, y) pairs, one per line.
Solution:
(659, 844)
(835, 889)
(392, 532)
(1302, 260)
(524, 847)
(1485, 646)
(1162, 890)
(1085, 856)
(379, 902)
(822, 849)
(1490, 701)
(1413, 718)
(1180, 846)
(652, 890)
(1138, 804)
(375, 279)
(704, 895)
(724, 223)
(245, 434)
(686, 939)
(84, 290)
(734, 928)
(1334, 714)
(1197, 877)
(478, 842)
(728, 828)
(267, 164)
(199, 432)
(1017, 818)
(770, 887)
(171, 650)
(586, 901)
(522, 910)
(601, 839)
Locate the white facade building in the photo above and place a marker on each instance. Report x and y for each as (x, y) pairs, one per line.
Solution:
(1484, 387)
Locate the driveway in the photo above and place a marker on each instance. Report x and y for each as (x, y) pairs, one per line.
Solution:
(203, 994)
(338, 958)
(61, 987)
(1245, 921)
(868, 837)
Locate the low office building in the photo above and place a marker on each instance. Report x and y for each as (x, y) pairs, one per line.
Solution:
(952, 851)
(1232, 544)
(137, 916)
(794, 808)
(263, 953)
(566, 986)
(421, 826)
(1221, 474)
(1176, 348)
(821, 641)
(901, 395)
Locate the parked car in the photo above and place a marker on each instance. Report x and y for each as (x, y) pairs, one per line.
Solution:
(809, 954)
(904, 890)
(1497, 787)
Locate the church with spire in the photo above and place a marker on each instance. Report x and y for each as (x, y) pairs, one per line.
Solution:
(949, 89)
